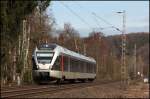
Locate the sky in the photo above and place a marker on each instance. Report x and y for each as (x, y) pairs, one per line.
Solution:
(79, 15)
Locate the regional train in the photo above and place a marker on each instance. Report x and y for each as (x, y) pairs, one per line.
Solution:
(52, 62)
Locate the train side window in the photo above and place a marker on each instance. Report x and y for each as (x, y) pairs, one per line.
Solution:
(95, 68)
(89, 68)
(85, 67)
(81, 66)
(76, 66)
(56, 65)
(92, 68)
(65, 63)
(69, 64)
(72, 65)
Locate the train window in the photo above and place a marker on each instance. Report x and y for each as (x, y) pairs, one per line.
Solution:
(72, 65)
(56, 65)
(92, 68)
(69, 64)
(81, 66)
(65, 63)
(95, 68)
(76, 66)
(89, 68)
(44, 57)
(85, 67)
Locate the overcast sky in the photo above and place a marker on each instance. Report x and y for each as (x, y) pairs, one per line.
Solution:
(79, 15)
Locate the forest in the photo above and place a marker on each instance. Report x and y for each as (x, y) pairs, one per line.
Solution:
(25, 25)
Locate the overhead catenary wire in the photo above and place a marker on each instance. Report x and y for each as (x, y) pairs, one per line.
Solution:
(96, 21)
(81, 19)
(102, 19)
(93, 13)
(106, 21)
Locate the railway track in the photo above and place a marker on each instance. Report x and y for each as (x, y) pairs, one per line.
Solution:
(41, 90)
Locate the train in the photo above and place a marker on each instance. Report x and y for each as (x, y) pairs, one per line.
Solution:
(52, 62)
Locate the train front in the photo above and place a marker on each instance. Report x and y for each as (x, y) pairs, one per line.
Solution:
(42, 58)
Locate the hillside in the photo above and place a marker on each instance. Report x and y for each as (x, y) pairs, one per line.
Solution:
(142, 46)
(139, 39)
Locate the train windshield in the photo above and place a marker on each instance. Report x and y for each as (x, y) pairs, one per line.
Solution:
(44, 57)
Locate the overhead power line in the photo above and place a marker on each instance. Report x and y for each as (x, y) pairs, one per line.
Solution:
(81, 19)
(106, 21)
(101, 18)
(93, 13)
(96, 21)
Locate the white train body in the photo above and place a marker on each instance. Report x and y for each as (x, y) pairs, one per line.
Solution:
(53, 62)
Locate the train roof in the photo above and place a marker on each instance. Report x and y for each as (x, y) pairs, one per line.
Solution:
(66, 51)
